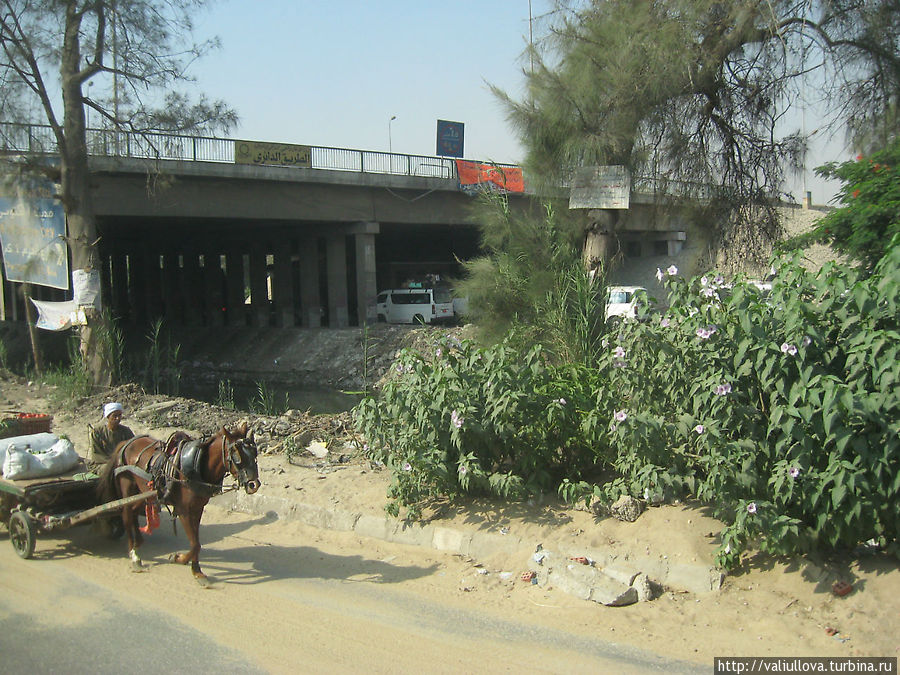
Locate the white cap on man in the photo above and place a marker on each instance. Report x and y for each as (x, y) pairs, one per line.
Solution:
(110, 408)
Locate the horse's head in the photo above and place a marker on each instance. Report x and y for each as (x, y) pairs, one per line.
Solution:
(240, 456)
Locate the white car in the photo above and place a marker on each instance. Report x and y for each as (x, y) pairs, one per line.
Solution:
(621, 302)
(415, 305)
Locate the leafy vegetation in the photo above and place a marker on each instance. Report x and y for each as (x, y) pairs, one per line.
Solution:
(779, 409)
(869, 218)
(265, 401)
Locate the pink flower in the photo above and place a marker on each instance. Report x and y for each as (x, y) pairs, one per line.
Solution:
(619, 352)
(787, 348)
(703, 334)
(699, 429)
(457, 419)
(664, 322)
(722, 389)
(407, 467)
(751, 508)
(462, 469)
(794, 472)
(621, 415)
(672, 270)
(659, 274)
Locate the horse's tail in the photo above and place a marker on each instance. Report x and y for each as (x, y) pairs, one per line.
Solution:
(106, 486)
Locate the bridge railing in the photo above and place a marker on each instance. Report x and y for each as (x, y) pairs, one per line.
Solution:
(37, 138)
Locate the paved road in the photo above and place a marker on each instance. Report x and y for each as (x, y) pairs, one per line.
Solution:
(287, 598)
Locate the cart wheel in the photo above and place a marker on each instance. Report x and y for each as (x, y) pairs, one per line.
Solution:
(22, 533)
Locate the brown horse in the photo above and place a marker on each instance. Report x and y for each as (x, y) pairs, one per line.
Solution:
(186, 473)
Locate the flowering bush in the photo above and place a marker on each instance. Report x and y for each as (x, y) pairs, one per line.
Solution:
(869, 216)
(781, 410)
(468, 420)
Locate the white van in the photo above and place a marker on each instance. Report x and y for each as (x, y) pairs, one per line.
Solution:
(621, 302)
(415, 305)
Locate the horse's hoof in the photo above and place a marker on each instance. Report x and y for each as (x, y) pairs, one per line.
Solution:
(176, 559)
(204, 581)
(138, 566)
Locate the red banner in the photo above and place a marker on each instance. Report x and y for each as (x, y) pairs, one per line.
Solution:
(505, 177)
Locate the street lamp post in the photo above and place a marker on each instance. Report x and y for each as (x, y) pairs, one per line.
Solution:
(390, 143)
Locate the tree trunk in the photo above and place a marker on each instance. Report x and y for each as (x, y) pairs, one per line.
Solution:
(75, 180)
(33, 331)
(598, 250)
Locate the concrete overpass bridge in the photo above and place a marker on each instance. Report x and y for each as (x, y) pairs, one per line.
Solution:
(193, 232)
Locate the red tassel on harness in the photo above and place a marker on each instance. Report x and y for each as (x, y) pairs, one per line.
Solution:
(151, 509)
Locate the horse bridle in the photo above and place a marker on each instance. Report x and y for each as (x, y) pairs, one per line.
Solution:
(233, 459)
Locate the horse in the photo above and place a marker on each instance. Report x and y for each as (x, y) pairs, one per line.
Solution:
(186, 473)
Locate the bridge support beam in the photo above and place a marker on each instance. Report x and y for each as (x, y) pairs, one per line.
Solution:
(336, 267)
(309, 282)
(282, 284)
(366, 282)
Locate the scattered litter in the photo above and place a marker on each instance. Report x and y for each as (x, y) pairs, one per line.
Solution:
(482, 571)
(539, 556)
(529, 576)
(318, 449)
(505, 575)
(504, 530)
(841, 588)
(581, 560)
(830, 631)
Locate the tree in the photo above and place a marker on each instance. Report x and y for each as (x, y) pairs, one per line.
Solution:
(868, 222)
(132, 49)
(694, 94)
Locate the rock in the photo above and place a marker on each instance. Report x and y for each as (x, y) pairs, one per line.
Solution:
(644, 588)
(626, 508)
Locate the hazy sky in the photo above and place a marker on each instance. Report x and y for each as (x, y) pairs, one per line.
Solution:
(334, 72)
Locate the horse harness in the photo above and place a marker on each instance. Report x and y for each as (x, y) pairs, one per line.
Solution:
(178, 461)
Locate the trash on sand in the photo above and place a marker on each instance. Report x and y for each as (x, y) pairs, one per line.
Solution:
(528, 576)
(538, 557)
(318, 449)
(841, 588)
(581, 560)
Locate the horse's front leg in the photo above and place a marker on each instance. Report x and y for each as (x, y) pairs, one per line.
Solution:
(190, 521)
(135, 539)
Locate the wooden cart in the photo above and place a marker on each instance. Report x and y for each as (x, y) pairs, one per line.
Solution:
(35, 505)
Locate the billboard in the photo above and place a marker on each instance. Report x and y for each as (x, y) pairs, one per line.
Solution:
(450, 137)
(506, 178)
(601, 187)
(272, 154)
(33, 232)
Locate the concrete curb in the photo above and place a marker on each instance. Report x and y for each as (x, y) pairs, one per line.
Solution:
(475, 544)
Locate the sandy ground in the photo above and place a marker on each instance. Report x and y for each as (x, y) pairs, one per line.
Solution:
(767, 608)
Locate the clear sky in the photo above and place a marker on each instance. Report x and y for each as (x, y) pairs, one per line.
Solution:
(334, 72)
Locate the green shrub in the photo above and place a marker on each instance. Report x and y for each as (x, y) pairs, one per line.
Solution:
(779, 409)
(464, 419)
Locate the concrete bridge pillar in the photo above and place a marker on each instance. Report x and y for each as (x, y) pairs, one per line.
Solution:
(282, 284)
(215, 287)
(234, 282)
(173, 307)
(366, 284)
(191, 286)
(336, 269)
(309, 283)
(259, 289)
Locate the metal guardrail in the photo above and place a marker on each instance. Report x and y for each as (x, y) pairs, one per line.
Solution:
(38, 139)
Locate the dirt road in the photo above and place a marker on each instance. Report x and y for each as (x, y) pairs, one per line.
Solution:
(291, 599)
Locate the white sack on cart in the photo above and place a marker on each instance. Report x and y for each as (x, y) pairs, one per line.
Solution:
(20, 464)
(39, 443)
